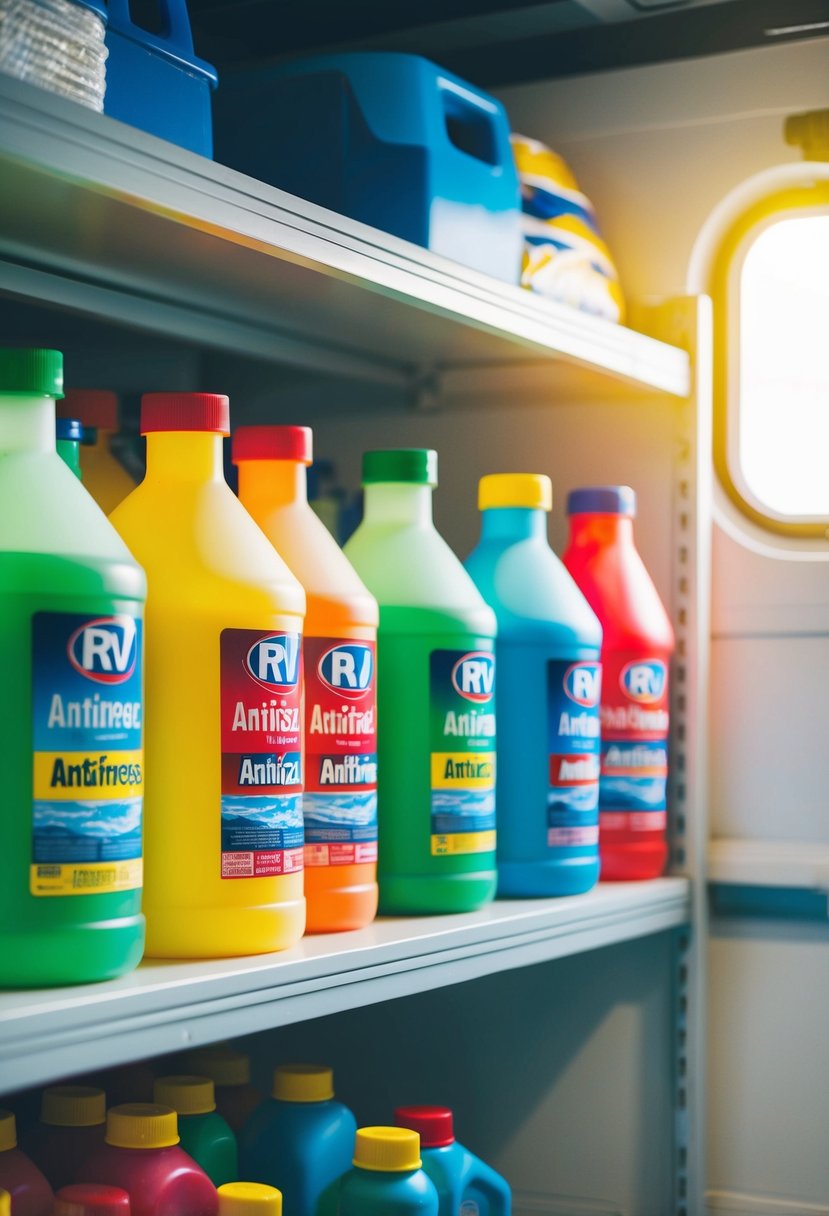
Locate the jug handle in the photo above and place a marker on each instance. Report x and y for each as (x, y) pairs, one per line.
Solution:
(458, 101)
(176, 23)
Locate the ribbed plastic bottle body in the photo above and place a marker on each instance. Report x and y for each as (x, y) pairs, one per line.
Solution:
(371, 1193)
(210, 1142)
(464, 1183)
(104, 476)
(219, 599)
(299, 1147)
(63, 572)
(636, 653)
(435, 679)
(547, 705)
(159, 1181)
(339, 647)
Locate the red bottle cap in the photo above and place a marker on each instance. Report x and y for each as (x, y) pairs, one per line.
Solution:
(94, 406)
(434, 1123)
(273, 443)
(185, 412)
(91, 1199)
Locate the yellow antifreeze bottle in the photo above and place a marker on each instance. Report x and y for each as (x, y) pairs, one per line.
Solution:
(104, 476)
(223, 795)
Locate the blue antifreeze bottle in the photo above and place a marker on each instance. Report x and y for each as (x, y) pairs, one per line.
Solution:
(300, 1141)
(547, 695)
(466, 1186)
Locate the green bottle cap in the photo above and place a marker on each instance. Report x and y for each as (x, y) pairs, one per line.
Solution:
(26, 370)
(418, 465)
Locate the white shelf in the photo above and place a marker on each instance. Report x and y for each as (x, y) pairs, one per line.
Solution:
(114, 224)
(167, 1006)
(769, 863)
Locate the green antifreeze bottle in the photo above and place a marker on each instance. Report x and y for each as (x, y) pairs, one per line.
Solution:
(435, 696)
(71, 602)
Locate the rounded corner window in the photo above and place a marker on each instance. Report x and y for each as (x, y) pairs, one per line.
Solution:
(771, 362)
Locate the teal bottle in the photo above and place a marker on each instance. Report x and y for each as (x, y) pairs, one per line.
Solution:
(71, 705)
(203, 1134)
(547, 695)
(300, 1141)
(465, 1184)
(387, 1178)
(69, 436)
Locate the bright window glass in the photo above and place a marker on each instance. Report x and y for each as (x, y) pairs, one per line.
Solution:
(782, 440)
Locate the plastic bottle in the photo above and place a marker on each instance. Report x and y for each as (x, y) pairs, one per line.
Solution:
(387, 1179)
(301, 1139)
(466, 1186)
(638, 643)
(436, 696)
(547, 703)
(203, 1133)
(141, 1155)
(5, 1204)
(339, 652)
(72, 1124)
(90, 1199)
(71, 600)
(249, 1199)
(29, 1191)
(69, 436)
(229, 1070)
(224, 801)
(104, 476)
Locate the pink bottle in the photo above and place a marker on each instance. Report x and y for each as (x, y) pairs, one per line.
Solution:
(30, 1193)
(89, 1199)
(141, 1155)
(72, 1123)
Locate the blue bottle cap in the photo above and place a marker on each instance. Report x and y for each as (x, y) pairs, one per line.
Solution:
(602, 500)
(69, 428)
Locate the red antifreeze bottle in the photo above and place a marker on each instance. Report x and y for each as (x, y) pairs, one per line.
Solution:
(638, 644)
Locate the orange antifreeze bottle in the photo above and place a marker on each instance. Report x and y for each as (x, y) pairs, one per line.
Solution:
(223, 806)
(339, 650)
(104, 476)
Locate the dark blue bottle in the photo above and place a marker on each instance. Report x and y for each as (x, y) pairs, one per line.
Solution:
(547, 695)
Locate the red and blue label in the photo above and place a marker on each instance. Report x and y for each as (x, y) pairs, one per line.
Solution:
(574, 729)
(261, 709)
(340, 802)
(635, 722)
(88, 764)
(462, 687)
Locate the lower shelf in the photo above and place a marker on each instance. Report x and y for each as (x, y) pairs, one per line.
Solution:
(168, 1006)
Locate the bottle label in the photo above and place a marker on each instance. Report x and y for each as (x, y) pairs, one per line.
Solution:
(88, 774)
(635, 721)
(574, 729)
(462, 684)
(340, 803)
(261, 707)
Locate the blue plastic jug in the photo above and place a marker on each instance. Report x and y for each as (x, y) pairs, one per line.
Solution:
(466, 1186)
(547, 695)
(386, 138)
(387, 1179)
(301, 1140)
(155, 81)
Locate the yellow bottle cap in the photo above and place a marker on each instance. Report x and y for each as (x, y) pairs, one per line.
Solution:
(249, 1199)
(73, 1106)
(390, 1150)
(186, 1095)
(5, 1204)
(224, 1065)
(142, 1125)
(534, 490)
(8, 1131)
(303, 1083)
